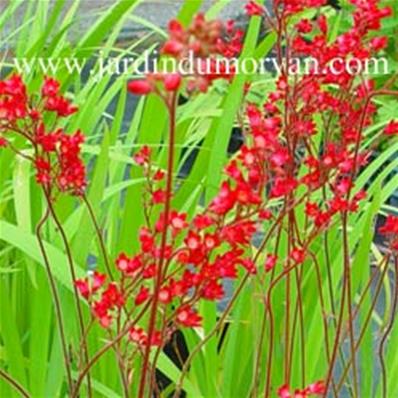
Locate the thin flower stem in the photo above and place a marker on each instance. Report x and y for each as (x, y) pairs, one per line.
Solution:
(121, 363)
(158, 351)
(14, 384)
(347, 279)
(280, 277)
(158, 280)
(388, 331)
(332, 304)
(95, 358)
(99, 235)
(268, 308)
(74, 278)
(290, 246)
(366, 323)
(284, 273)
(346, 273)
(298, 315)
(55, 296)
(198, 348)
(337, 339)
(323, 314)
(263, 323)
(19, 153)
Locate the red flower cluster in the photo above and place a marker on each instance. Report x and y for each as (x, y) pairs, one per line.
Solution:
(277, 140)
(390, 229)
(285, 7)
(203, 42)
(13, 100)
(266, 168)
(137, 335)
(254, 9)
(352, 44)
(89, 286)
(169, 82)
(57, 156)
(317, 388)
(111, 297)
(53, 101)
(391, 128)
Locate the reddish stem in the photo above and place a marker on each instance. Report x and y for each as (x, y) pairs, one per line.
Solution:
(171, 107)
(74, 278)
(55, 296)
(15, 385)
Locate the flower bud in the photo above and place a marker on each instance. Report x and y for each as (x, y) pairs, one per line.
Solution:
(139, 87)
(172, 82)
(172, 47)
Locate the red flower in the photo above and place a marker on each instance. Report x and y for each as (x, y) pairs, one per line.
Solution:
(390, 226)
(304, 26)
(211, 241)
(175, 28)
(265, 214)
(156, 339)
(142, 296)
(137, 335)
(50, 87)
(283, 186)
(13, 86)
(159, 196)
(90, 285)
(193, 241)
(60, 105)
(206, 40)
(378, 43)
(391, 128)
(159, 175)
(212, 291)
(344, 186)
(270, 262)
(43, 170)
(298, 255)
(284, 391)
(317, 388)
(100, 311)
(72, 173)
(187, 317)
(83, 287)
(178, 221)
(122, 262)
(48, 141)
(202, 221)
(173, 48)
(323, 24)
(111, 297)
(146, 239)
(143, 155)
(254, 9)
(249, 265)
(98, 280)
(149, 271)
(280, 157)
(165, 295)
(225, 200)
